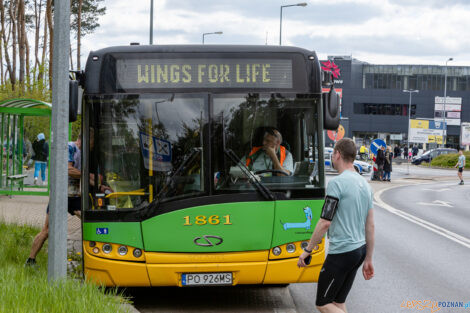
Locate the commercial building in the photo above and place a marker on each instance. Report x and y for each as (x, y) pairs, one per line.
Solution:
(375, 106)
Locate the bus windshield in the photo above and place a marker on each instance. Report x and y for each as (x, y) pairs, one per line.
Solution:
(158, 146)
(248, 124)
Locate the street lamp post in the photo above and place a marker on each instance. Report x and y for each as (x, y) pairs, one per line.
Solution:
(444, 135)
(303, 4)
(214, 33)
(409, 122)
(151, 23)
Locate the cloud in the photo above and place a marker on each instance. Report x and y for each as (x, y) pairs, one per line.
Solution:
(385, 30)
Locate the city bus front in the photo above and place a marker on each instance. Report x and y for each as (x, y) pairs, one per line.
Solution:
(182, 187)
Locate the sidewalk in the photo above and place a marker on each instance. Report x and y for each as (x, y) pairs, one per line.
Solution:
(31, 210)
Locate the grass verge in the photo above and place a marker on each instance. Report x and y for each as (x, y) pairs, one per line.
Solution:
(448, 160)
(27, 289)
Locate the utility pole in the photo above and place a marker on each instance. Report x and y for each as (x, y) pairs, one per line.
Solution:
(57, 266)
(151, 23)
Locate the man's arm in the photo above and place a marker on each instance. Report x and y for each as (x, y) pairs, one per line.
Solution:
(276, 164)
(320, 230)
(368, 267)
(73, 172)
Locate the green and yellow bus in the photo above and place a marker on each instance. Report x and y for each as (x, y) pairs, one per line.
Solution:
(168, 130)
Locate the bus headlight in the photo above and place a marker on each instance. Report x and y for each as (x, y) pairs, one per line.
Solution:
(137, 253)
(122, 250)
(277, 251)
(96, 250)
(304, 244)
(92, 244)
(290, 248)
(107, 248)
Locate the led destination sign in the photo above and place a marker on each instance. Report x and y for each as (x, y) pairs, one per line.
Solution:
(203, 73)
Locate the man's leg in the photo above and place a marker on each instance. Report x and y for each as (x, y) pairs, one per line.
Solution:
(40, 239)
(37, 168)
(43, 171)
(330, 308)
(342, 306)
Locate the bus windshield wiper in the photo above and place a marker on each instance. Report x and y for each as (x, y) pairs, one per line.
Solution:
(252, 178)
(188, 160)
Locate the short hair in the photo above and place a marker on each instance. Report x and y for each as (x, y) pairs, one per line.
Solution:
(347, 149)
(273, 132)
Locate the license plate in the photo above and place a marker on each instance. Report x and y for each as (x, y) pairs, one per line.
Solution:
(203, 279)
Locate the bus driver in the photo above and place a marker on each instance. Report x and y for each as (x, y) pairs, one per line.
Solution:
(271, 155)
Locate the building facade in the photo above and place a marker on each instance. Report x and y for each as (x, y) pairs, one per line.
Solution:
(374, 104)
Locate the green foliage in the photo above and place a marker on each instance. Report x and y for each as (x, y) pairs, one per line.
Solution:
(448, 160)
(91, 11)
(27, 289)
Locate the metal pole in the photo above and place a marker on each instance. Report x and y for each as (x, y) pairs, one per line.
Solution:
(445, 100)
(280, 28)
(57, 266)
(203, 38)
(408, 141)
(151, 23)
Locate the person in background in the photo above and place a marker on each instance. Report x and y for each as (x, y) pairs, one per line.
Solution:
(380, 160)
(388, 164)
(41, 154)
(405, 152)
(396, 151)
(461, 165)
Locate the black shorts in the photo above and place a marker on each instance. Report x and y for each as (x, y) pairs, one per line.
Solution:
(74, 204)
(460, 169)
(337, 276)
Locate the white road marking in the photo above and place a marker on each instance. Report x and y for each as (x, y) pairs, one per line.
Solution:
(430, 226)
(436, 190)
(437, 203)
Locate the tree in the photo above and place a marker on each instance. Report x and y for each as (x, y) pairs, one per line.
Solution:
(85, 14)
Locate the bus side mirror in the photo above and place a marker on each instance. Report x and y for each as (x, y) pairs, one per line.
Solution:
(331, 110)
(73, 100)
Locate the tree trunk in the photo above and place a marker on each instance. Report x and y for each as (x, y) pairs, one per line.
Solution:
(70, 57)
(13, 27)
(44, 50)
(79, 32)
(37, 27)
(21, 42)
(28, 70)
(51, 37)
(5, 40)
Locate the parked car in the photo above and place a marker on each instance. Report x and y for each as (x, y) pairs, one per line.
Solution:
(360, 166)
(431, 154)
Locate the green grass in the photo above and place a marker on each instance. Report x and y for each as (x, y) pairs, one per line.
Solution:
(448, 160)
(27, 289)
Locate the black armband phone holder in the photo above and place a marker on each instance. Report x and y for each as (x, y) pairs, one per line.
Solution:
(329, 208)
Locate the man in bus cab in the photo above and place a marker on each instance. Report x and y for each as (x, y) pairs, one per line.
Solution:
(271, 155)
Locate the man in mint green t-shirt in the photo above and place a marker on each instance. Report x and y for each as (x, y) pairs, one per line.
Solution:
(461, 165)
(347, 216)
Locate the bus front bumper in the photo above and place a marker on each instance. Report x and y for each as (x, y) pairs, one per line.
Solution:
(166, 269)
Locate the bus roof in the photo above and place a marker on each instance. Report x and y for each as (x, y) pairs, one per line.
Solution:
(201, 48)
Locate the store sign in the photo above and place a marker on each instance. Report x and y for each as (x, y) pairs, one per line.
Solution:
(465, 134)
(396, 137)
(426, 131)
(330, 66)
(451, 109)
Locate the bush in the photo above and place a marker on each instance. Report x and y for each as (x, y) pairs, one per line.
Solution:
(448, 160)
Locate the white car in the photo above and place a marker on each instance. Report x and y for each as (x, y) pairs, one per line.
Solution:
(360, 166)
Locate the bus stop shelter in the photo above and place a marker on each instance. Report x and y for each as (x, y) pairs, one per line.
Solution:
(12, 114)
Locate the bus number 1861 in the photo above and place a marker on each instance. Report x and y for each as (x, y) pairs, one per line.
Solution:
(203, 220)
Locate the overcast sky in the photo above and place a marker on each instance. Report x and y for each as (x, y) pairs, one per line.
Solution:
(378, 32)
